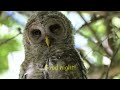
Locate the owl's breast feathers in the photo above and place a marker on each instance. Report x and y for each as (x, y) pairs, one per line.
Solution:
(58, 64)
(66, 63)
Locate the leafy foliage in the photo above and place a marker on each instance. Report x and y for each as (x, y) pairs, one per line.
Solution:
(11, 45)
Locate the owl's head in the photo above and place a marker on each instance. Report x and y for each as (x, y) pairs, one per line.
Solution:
(48, 28)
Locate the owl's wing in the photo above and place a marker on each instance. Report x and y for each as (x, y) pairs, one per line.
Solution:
(70, 62)
(76, 55)
(22, 74)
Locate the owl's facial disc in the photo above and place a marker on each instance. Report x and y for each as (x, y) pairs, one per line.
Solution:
(38, 36)
(55, 29)
(48, 34)
(36, 33)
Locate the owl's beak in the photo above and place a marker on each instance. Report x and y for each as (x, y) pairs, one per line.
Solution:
(47, 41)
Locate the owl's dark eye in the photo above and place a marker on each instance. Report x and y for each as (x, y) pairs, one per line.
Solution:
(55, 29)
(36, 33)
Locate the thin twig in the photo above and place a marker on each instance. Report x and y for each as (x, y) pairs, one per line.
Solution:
(88, 24)
(92, 21)
(6, 41)
(107, 73)
(84, 58)
(91, 29)
(104, 72)
(96, 47)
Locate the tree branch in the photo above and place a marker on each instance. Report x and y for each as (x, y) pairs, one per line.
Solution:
(97, 71)
(90, 28)
(92, 21)
(6, 41)
(115, 53)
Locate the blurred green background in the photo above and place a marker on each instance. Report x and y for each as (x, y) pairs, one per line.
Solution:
(96, 36)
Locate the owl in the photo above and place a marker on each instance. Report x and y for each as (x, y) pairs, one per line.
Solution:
(49, 48)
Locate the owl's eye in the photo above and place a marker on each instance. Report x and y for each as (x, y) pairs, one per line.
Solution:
(55, 29)
(36, 33)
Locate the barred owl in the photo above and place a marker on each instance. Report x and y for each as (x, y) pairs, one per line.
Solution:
(49, 48)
